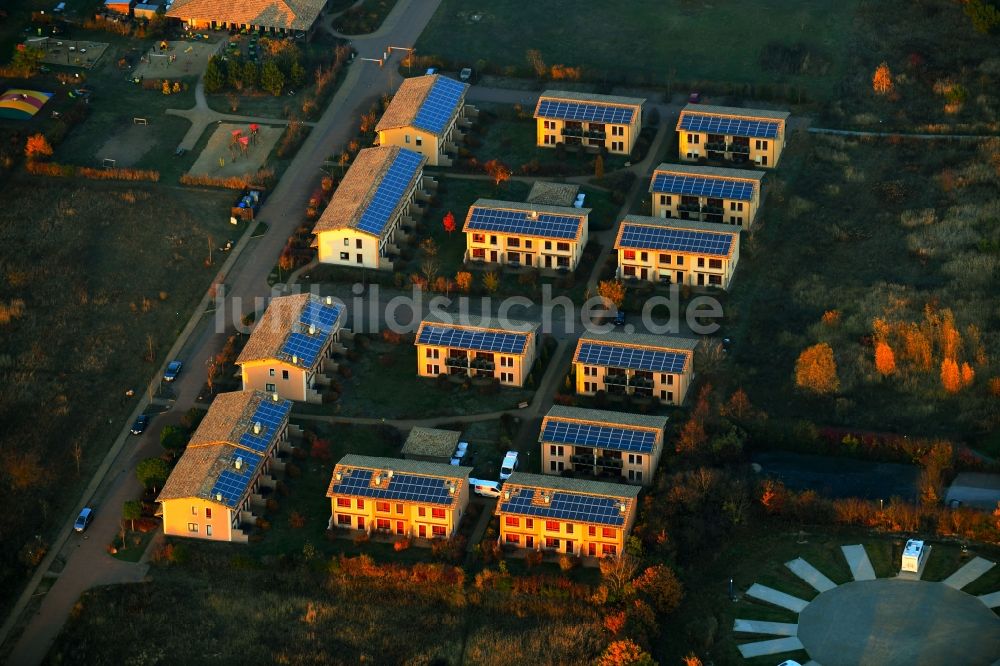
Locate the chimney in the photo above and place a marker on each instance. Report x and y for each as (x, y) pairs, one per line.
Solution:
(329, 300)
(256, 428)
(622, 506)
(546, 498)
(451, 488)
(295, 359)
(312, 330)
(506, 495)
(274, 396)
(388, 474)
(340, 476)
(238, 463)
(218, 497)
(533, 215)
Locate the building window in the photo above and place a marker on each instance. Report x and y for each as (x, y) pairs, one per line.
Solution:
(665, 259)
(439, 531)
(617, 130)
(512, 521)
(382, 507)
(358, 243)
(194, 511)
(618, 146)
(591, 530)
(644, 256)
(694, 138)
(562, 247)
(208, 514)
(529, 523)
(284, 374)
(609, 549)
(361, 522)
(507, 377)
(670, 380)
(513, 538)
(609, 532)
(478, 253)
(478, 238)
(493, 240)
(680, 260)
(551, 542)
(347, 242)
(628, 270)
(420, 140)
(432, 369)
(715, 263)
(269, 388)
(665, 199)
(193, 528)
(715, 279)
(399, 508)
(701, 262)
(345, 256)
(507, 361)
(513, 242)
(548, 245)
(361, 504)
(406, 138)
(437, 513)
(421, 511)
(433, 353)
(344, 502)
(343, 519)
(629, 255)
(551, 525)
(383, 524)
(569, 528)
(270, 372)
(360, 259)
(527, 244)
(634, 459)
(555, 450)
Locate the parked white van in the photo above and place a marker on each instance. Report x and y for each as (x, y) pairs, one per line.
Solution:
(485, 488)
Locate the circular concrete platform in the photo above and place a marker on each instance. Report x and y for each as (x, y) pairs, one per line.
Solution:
(899, 622)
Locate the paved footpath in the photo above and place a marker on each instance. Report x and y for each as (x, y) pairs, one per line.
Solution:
(811, 575)
(767, 628)
(776, 597)
(969, 572)
(857, 560)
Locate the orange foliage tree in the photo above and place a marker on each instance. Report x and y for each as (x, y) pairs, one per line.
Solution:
(449, 222)
(624, 653)
(612, 292)
(662, 586)
(951, 378)
(464, 280)
(885, 359)
(916, 347)
(882, 79)
(498, 171)
(968, 374)
(37, 146)
(816, 369)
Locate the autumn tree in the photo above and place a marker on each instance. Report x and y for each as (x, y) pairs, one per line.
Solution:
(491, 282)
(498, 171)
(951, 378)
(449, 222)
(917, 347)
(152, 473)
(534, 57)
(692, 436)
(617, 574)
(132, 511)
(691, 659)
(612, 292)
(23, 470)
(463, 279)
(885, 359)
(429, 267)
(662, 586)
(738, 406)
(816, 369)
(599, 167)
(428, 247)
(37, 146)
(624, 653)
(968, 374)
(882, 79)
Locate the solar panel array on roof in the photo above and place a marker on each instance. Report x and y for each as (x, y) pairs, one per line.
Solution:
(270, 415)
(679, 240)
(593, 113)
(304, 346)
(445, 336)
(320, 315)
(758, 129)
(606, 437)
(394, 183)
(406, 487)
(232, 482)
(439, 105)
(520, 222)
(566, 506)
(703, 186)
(632, 358)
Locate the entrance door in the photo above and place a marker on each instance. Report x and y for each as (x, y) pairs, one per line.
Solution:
(529, 542)
(361, 522)
(643, 273)
(763, 160)
(399, 527)
(592, 549)
(680, 277)
(527, 260)
(422, 531)
(493, 256)
(701, 279)
(548, 261)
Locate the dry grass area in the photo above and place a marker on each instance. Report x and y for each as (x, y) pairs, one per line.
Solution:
(93, 276)
(220, 147)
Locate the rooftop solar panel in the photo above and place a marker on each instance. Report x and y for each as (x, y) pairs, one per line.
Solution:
(270, 415)
(616, 438)
(703, 186)
(387, 197)
(546, 225)
(594, 113)
(439, 105)
(758, 129)
(304, 347)
(566, 506)
(446, 336)
(405, 487)
(632, 358)
(645, 237)
(320, 315)
(232, 483)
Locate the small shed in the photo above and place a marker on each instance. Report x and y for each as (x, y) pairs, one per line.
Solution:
(431, 445)
(913, 556)
(553, 194)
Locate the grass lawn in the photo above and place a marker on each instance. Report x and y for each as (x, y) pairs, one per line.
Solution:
(135, 545)
(98, 289)
(687, 41)
(899, 231)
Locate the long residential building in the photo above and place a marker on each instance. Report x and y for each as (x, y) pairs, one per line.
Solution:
(227, 467)
(657, 366)
(405, 498)
(597, 442)
(372, 208)
(731, 133)
(667, 251)
(273, 16)
(563, 515)
(477, 347)
(427, 115)
(526, 234)
(291, 348)
(706, 194)
(588, 120)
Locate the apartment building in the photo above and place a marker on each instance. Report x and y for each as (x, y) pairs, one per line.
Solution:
(526, 234)
(405, 498)
(477, 347)
(588, 120)
(730, 133)
(564, 515)
(656, 366)
(699, 254)
(263, 16)
(290, 351)
(706, 194)
(601, 443)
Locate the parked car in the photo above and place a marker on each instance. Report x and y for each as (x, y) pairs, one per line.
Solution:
(173, 369)
(694, 98)
(140, 424)
(83, 520)
(509, 465)
(465, 74)
(620, 318)
(459, 455)
(485, 488)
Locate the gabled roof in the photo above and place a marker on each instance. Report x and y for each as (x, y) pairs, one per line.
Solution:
(607, 416)
(552, 194)
(206, 472)
(640, 232)
(397, 480)
(231, 419)
(476, 333)
(372, 192)
(520, 219)
(636, 351)
(587, 107)
(739, 184)
(576, 500)
(602, 429)
(431, 442)
(732, 121)
(292, 328)
(426, 102)
(287, 14)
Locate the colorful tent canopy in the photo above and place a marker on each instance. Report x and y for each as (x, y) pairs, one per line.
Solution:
(18, 104)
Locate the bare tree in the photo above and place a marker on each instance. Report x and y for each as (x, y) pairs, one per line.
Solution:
(77, 452)
(618, 573)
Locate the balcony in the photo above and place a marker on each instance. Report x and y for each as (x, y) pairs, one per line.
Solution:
(596, 134)
(714, 210)
(429, 184)
(572, 131)
(616, 378)
(689, 208)
(609, 463)
(741, 148)
(457, 361)
(582, 459)
(641, 382)
(483, 364)
(469, 113)
(716, 147)
(314, 397)
(385, 264)
(449, 147)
